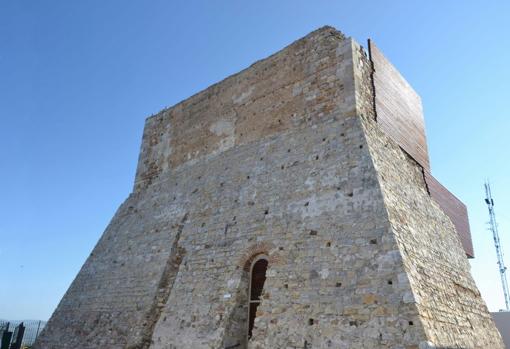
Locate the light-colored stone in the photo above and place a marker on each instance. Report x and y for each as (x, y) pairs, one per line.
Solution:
(283, 159)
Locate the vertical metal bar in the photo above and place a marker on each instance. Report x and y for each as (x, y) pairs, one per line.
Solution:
(38, 327)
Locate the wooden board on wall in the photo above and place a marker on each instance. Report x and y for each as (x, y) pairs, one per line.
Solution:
(398, 108)
(400, 115)
(453, 208)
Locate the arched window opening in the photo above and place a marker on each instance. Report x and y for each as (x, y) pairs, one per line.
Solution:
(257, 279)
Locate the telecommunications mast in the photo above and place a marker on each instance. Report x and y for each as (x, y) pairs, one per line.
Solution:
(494, 228)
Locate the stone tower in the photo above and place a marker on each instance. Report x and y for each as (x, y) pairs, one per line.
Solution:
(290, 205)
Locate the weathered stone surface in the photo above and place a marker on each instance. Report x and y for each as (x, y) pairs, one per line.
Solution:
(282, 159)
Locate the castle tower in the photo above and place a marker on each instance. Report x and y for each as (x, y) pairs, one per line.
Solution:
(290, 205)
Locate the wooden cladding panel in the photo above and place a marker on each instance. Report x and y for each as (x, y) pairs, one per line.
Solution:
(398, 108)
(400, 115)
(453, 208)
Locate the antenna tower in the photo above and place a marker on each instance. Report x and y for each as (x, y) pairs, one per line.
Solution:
(494, 228)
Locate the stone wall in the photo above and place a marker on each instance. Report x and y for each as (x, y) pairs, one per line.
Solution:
(280, 94)
(450, 306)
(399, 113)
(281, 159)
(304, 193)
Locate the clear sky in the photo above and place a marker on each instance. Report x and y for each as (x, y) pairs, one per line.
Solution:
(78, 78)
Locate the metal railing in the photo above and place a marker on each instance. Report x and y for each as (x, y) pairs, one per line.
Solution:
(32, 329)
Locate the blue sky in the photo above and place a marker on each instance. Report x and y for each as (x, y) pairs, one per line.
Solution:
(78, 78)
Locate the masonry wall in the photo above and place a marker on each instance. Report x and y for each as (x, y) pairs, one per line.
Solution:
(109, 302)
(285, 92)
(304, 193)
(451, 308)
(280, 159)
(399, 113)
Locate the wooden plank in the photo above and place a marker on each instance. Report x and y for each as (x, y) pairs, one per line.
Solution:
(398, 108)
(453, 208)
(400, 115)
